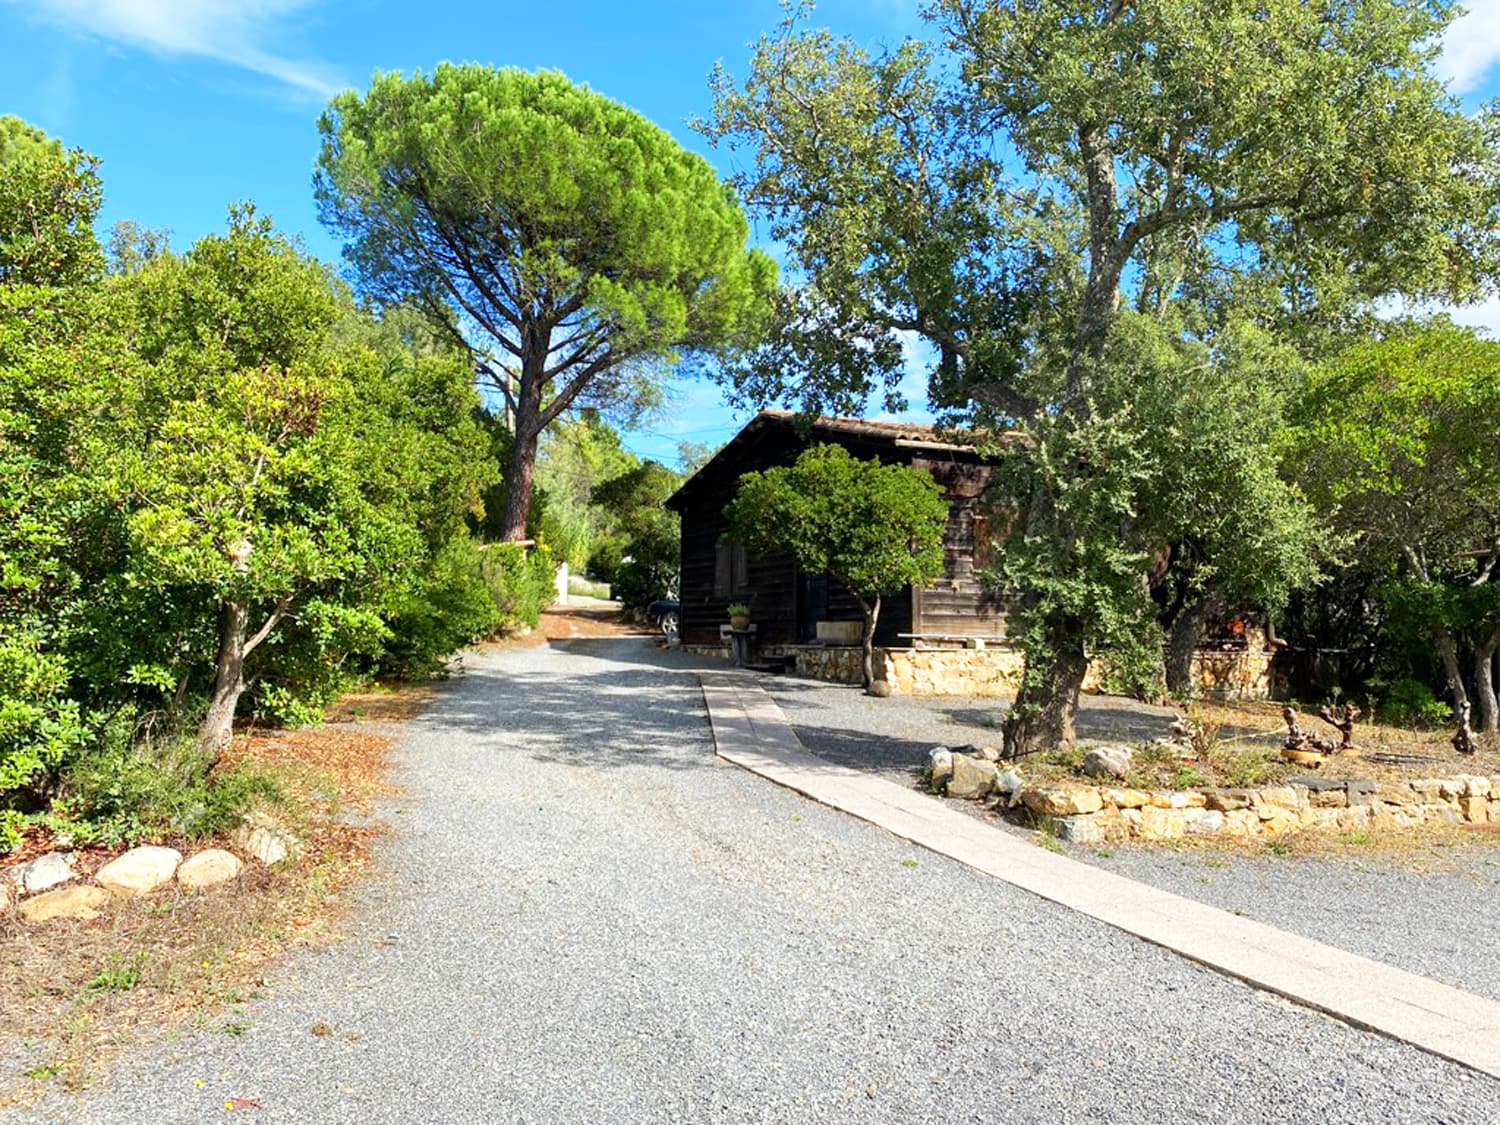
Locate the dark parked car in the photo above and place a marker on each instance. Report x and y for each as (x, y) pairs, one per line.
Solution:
(663, 614)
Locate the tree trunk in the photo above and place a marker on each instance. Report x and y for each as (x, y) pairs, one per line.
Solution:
(518, 478)
(1184, 636)
(531, 418)
(1448, 652)
(1042, 716)
(217, 728)
(872, 617)
(1484, 684)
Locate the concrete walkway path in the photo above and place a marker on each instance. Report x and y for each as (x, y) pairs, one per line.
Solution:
(750, 730)
(589, 917)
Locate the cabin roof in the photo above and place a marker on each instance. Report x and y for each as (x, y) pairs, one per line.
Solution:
(905, 435)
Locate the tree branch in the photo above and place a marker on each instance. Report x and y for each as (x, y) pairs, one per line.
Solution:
(575, 385)
(271, 622)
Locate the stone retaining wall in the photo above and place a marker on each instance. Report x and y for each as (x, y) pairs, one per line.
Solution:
(1095, 814)
(996, 671)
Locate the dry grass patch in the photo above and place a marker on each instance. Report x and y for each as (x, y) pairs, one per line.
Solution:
(1238, 747)
(382, 703)
(75, 993)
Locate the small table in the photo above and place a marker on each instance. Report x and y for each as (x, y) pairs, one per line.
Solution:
(739, 643)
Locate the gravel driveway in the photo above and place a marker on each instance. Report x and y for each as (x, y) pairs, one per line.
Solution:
(587, 918)
(1435, 914)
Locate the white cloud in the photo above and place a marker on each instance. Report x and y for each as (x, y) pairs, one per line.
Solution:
(237, 32)
(1471, 47)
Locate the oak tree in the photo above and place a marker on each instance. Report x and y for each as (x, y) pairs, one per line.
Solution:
(1004, 192)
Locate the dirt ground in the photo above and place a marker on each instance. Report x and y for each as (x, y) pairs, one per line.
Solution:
(76, 993)
(572, 623)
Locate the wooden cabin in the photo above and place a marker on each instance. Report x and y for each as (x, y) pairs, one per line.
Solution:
(787, 605)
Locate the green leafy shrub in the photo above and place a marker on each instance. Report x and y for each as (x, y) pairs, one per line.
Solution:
(1412, 703)
(137, 785)
(12, 822)
(638, 583)
(451, 607)
(605, 558)
(521, 582)
(39, 727)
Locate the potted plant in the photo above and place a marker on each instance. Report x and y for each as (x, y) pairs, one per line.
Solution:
(739, 617)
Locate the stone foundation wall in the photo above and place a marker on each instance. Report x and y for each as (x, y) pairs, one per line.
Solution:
(954, 671)
(996, 671)
(1235, 674)
(992, 672)
(1096, 814)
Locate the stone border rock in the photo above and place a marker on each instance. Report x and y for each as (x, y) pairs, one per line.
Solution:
(1105, 813)
(32, 890)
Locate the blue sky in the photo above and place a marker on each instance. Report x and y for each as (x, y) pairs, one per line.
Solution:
(195, 104)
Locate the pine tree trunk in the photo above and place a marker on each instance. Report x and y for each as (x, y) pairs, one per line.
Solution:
(1484, 684)
(530, 420)
(518, 479)
(217, 728)
(1042, 716)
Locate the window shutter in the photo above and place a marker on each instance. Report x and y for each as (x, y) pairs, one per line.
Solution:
(741, 570)
(723, 573)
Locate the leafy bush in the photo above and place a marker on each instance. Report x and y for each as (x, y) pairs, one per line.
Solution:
(1134, 672)
(39, 727)
(451, 607)
(1412, 703)
(521, 582)
(605, 558)
(135, 784)
(11, 823)
(637, 584)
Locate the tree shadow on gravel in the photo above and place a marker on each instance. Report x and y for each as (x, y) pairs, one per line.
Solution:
(861, 750)
(630, 709)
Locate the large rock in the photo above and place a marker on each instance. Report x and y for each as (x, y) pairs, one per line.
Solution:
(1176, 799)
(140, 870)
(940, 767)
(1058, 800)
(972, 777)
(1204, 822)
(1475, 809)
(69, 902)
(1228, 800)
(1162, 824)
(1107, 761)
(1282, 796)
(1241, 822)
(208, 868)
(261, 837)
(44, 871)
(1010, 782)
(1396, 793)
(1125, 798)
(1080, 829)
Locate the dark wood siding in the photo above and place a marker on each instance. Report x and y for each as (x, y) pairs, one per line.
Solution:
(957, 604)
